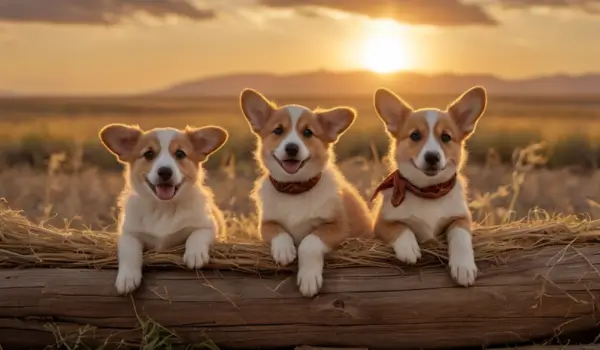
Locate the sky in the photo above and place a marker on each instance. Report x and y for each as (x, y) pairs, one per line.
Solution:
(130, 46)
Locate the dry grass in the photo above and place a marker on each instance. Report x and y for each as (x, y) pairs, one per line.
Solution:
(26, 244)
(84, 197)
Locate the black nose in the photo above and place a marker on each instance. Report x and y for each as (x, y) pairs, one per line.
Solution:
(432, 158)
(165, 173)
(291, 149)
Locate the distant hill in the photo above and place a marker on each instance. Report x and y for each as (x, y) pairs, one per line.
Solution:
(7, 93)
(325, 83)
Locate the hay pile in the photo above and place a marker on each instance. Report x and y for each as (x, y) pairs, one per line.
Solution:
(24, 244)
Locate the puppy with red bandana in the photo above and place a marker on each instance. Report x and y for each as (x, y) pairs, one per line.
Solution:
(165, 202)
(425, 195)
(303, 200)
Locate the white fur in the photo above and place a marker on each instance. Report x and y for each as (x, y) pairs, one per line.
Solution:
(427, 215)
(407, 248)
(299, 215)
(160, 225)
(461, 257)
(283, 249)
(293, 137)
(165, 158)
(428, 212)
(311, 253)
(431, 144)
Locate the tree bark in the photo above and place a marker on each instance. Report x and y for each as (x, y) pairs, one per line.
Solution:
(529, 295)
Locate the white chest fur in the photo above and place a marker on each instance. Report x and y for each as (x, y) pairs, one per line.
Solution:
(426, 217)
(162, 225)
(299, 214)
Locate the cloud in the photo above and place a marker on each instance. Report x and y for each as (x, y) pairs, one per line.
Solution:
(97, 12)
(588, 6)
(418, 12)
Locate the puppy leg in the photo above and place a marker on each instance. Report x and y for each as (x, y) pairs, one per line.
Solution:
(129, 251)
(460, 253)
(197, 247)
(283, 249)
(311, 256)
(401, 238)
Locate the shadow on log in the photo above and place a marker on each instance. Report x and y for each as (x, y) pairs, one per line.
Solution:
(530, 295)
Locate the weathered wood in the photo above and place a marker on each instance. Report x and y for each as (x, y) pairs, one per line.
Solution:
(531, 295)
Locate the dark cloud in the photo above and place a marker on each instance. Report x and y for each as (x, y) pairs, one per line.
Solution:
(589, 6)
(431, 12)
(97, 12)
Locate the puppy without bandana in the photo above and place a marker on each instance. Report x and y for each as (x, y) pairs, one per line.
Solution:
(165, 202)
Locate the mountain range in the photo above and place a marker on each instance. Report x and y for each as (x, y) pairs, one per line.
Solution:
(327, 83)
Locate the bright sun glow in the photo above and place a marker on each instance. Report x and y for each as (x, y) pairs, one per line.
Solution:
(385, 49)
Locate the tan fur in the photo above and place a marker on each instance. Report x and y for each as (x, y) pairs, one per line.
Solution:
(315, 221)
(146, 222)
(418, 219)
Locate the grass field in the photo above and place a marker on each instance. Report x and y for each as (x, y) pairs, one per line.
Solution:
(55, 169)
(32, 129)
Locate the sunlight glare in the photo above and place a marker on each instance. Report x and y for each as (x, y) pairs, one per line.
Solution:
(385, 49)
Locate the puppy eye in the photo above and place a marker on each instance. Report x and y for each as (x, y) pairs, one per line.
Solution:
(446, 138)
(278, 130)
(307, 133)
(149, 154)
(415, 136)
(179, 154)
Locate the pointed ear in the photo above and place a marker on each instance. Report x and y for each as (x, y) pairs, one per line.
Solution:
(392, 110)
(467, 109)
(207, 140)
(120, 139)
(335, 121)
(256, 108)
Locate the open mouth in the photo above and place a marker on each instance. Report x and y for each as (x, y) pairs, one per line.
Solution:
(428, 171)
(164, 191)
(291, 166)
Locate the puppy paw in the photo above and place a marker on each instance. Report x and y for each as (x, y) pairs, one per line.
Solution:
(463, 271)
(283, 249)
(196, 256)
(128, 279)
(407, 248)
(310, 280)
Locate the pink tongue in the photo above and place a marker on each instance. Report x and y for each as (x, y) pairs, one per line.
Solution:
(165, 192)
(291, 166)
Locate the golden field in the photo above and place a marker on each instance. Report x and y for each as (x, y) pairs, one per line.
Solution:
(55, 170)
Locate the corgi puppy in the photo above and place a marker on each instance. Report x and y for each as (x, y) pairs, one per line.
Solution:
(165, 202)
(302, 198)
(425, 195)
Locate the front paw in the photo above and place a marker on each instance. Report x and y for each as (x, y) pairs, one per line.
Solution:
(128, 279)
(196, 256)
(283, 249)
(463, 271)
(310, 280)
(407, 248)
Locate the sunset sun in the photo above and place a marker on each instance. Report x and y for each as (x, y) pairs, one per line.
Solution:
(385, 49)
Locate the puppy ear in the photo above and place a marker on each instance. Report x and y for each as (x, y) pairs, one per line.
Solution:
(120, 139)
(207, 140)
(335, 121)
(392, 110)
(467, 109)
(256, 108)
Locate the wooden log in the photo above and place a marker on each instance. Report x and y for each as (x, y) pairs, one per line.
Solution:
(530, 295)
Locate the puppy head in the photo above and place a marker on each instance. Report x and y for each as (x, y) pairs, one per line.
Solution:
(429, 143)
(294, 141)
(162, 162)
